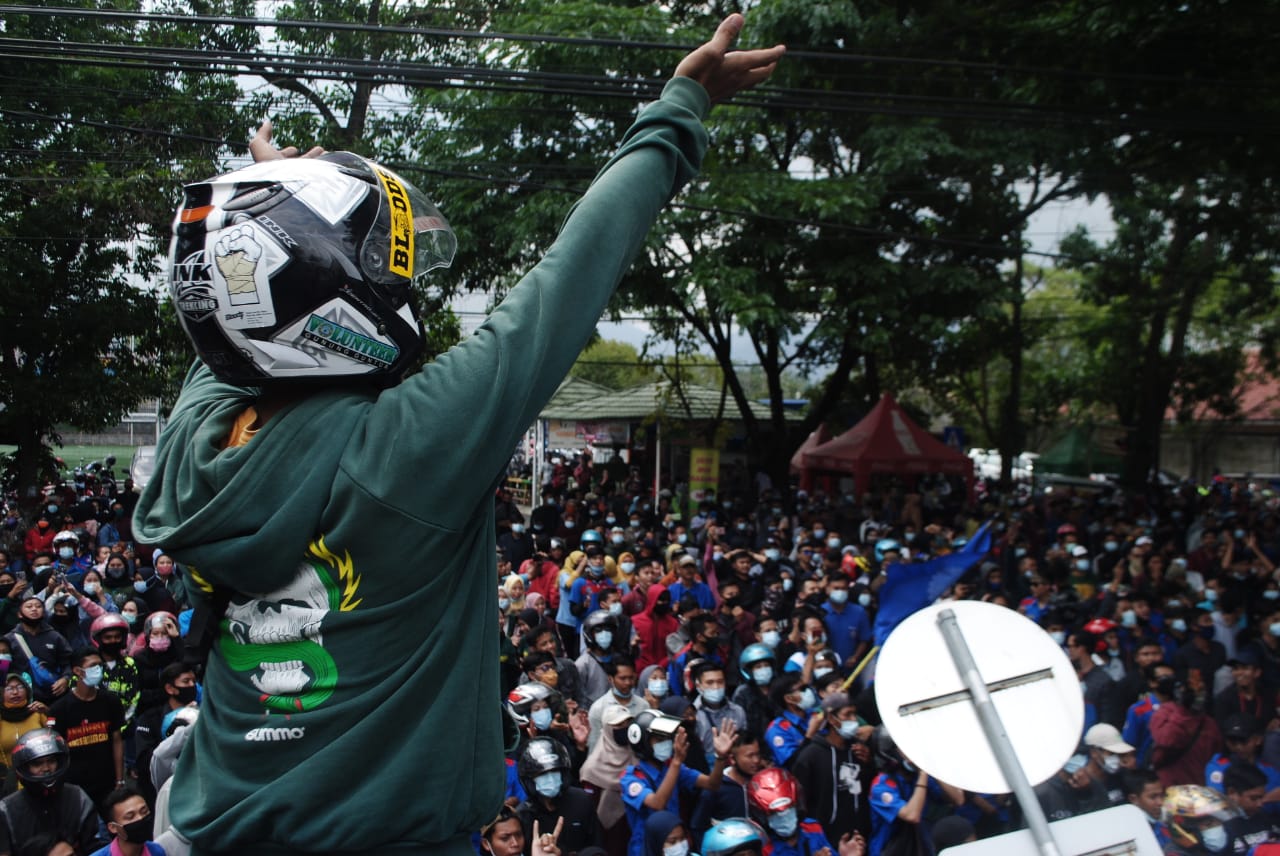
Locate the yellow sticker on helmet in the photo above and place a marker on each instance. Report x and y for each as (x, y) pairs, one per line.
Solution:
(401, 258)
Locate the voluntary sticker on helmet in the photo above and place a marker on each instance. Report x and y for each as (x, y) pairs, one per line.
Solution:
(401, 259)
(192, 284)
(335, 337)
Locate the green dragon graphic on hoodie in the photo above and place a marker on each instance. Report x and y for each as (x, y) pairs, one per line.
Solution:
(352, 701)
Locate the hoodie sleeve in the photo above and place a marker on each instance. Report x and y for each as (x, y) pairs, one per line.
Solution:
(465, 412)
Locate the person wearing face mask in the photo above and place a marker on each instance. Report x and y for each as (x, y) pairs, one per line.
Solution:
(66, 547)
(91, 721)
(1109, 757)
(159, 645)
(129, 819)
(1071, 791)
(1100, 691)
(40, 650)
(704, 644)
(109, 633)
(1202, 652)
(600, 642)
(835, 772)
(653, 625)
(774, 795)
(665, 835)
(1137, 721)
(730, 800)
(847, 623)
(1196, 818)
(584, 594)
(12, 591)
(601, 776)
(654, 782)
(757, 665)
(545, 772)
(713, 707)
(798, 703)
(1184, 738)
(622, 692)
(151, 589)
(687, 582)
(179, 684)
(39, 538)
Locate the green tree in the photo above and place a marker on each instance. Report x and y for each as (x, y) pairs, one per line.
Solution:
(616, 365)
(95, 152)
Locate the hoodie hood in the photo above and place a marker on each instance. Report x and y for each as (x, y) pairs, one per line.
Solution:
(210, 506)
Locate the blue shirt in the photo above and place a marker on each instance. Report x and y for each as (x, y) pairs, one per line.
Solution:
(1137, 726)
(784, 736)
(701, 593)
(809, 840)
(847, 629)
(888, 795)
(642, 779)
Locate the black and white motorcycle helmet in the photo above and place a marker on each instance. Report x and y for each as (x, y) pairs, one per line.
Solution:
(302, 268)
(648, 723)
(520, 701)
(32, 746)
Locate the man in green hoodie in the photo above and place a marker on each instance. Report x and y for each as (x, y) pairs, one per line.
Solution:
(348, 524)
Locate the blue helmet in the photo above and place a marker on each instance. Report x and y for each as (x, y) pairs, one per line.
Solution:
(756, 652)
(886, 545)
(591, 536)
(733, 836)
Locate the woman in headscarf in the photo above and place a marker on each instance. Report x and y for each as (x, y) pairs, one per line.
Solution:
(117, 576)
(162, 646)
(601, 776)
(664, 835)
(19, 714)
(569, 624)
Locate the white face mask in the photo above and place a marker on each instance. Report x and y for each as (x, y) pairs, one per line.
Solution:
(1214, 839)
(772, 638)
(679, 849)
(818, 673)
(848, 729)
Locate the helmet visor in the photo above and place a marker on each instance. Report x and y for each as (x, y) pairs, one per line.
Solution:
(409, 237)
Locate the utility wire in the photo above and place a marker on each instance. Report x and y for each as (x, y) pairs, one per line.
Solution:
(1175, 79)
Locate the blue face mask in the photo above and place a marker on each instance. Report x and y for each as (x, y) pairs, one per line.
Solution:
(604, 638)
(772, 638)
(541, 719)
(662, 750)
(548, 784)
(712, 695)
(66, 553)
(784, 822)
(140, 586)
(808, 699)
(762, 675)
(659, 688)
(93, 676)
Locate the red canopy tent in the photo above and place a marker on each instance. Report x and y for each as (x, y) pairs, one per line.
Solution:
(885, 441)
(816, 438)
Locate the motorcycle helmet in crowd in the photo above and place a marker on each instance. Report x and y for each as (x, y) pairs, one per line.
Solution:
(735, 836)
(756, 656)
(1195, 816)
(598, 623)
(543, 767)
(303, 268)
(520, 701)
(774, 798)
(34, 745)
(650, 724)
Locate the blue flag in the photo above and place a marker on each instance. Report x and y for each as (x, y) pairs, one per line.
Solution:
(910, 588)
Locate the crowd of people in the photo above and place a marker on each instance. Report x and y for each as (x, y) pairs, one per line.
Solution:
(638, 631)
(679, 675)
(97, 689)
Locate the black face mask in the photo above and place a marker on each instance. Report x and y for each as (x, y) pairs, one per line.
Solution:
(620, 736)
(140, 830)
(185, 695)
(5, 589)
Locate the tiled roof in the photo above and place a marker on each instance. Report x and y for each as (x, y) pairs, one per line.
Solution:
(689, 403)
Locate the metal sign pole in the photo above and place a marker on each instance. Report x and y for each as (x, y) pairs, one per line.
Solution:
(997, 737)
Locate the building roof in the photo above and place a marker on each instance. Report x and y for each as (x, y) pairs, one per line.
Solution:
(689, 402)
(1257, 393)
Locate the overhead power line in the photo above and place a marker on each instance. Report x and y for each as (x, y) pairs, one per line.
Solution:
(1178, 78)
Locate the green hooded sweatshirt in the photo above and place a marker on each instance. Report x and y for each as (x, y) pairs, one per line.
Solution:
(352, 701)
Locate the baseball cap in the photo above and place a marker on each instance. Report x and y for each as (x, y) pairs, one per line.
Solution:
(687, 559)
(1239, 726)
(835, 702)
(1143, 540)
(1245, 657)
(1106, 736)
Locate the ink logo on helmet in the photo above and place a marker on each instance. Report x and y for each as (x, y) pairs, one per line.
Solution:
(192, 284)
